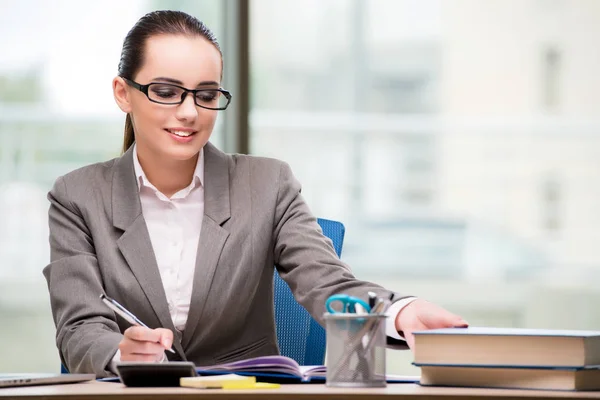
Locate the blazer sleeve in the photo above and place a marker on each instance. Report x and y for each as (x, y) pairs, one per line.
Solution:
(306, 259)
(87, 334)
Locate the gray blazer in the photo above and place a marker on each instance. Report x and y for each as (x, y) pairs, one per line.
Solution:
(254, 219)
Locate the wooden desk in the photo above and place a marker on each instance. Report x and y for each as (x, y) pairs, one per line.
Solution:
(105, 390)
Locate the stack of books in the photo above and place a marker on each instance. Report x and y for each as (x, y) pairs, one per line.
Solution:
(509, 358)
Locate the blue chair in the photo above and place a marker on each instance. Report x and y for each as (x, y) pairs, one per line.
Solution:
(299, 336)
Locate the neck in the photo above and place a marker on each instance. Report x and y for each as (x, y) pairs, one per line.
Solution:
(168, 176)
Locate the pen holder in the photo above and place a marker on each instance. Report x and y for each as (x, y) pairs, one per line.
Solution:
(356, 346)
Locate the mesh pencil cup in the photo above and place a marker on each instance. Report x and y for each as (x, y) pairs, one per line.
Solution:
(356, 346)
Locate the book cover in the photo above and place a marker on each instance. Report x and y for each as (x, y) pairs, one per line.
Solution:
(508, 347)
(517, 377)
(498, 331)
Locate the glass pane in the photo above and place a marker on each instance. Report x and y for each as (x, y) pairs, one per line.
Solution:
(57, 113)
(457, 140)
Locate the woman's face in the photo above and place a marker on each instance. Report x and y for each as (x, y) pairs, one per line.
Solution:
(161, 131)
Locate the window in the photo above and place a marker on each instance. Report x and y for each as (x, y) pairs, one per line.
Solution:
(418, 124)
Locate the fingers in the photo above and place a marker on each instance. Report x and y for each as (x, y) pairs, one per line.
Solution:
(453, 321)
(434, 316)
(143, 334)
(128, 346)
(145, 344)
(446, 319)
(134, 346)
(460, 323)
(158, 335)
(166, 337)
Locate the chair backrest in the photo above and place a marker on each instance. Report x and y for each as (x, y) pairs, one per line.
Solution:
(299, 336)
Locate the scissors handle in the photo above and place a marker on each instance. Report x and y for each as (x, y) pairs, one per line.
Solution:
(348, 303)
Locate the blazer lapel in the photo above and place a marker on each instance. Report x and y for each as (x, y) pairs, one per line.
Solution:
(135, 244)
(217, 210)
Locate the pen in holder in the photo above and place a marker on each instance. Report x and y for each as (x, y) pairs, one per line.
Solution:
(355, 349)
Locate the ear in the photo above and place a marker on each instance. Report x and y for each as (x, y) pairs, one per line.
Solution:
(122, 94)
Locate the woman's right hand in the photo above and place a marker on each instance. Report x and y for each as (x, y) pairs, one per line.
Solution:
(145, 344)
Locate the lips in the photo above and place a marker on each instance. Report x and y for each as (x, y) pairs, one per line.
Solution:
(181, 132)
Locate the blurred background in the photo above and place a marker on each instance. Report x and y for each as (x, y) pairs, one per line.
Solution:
(458, 141)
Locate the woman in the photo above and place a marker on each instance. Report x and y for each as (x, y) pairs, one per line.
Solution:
(183, 235)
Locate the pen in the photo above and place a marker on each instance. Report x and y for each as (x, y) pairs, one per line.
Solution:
(372, 299)
(123, 312)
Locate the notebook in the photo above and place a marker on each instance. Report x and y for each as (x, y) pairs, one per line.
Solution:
(282, 369)
(508, 347)
(268, 366)
(8, 380)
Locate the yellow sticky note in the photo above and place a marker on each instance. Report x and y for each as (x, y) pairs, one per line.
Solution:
(227, 381)
(217, 381)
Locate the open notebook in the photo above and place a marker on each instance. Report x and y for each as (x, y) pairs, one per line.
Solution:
(282, 369)
(268, 365)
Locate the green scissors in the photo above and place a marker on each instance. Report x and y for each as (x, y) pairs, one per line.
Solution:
(348, 304)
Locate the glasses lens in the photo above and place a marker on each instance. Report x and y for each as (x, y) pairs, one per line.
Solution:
(211, 98)
(164, 93)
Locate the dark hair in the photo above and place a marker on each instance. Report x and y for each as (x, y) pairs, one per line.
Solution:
(164, 22)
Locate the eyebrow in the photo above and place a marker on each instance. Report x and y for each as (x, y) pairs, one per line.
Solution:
(178, 82)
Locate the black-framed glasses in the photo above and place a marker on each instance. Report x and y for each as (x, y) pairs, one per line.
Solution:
(170, 94)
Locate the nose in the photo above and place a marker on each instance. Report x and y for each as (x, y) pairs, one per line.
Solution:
(187, 111)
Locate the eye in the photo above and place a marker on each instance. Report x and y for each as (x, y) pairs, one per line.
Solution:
(207, 96)
(164, 91)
